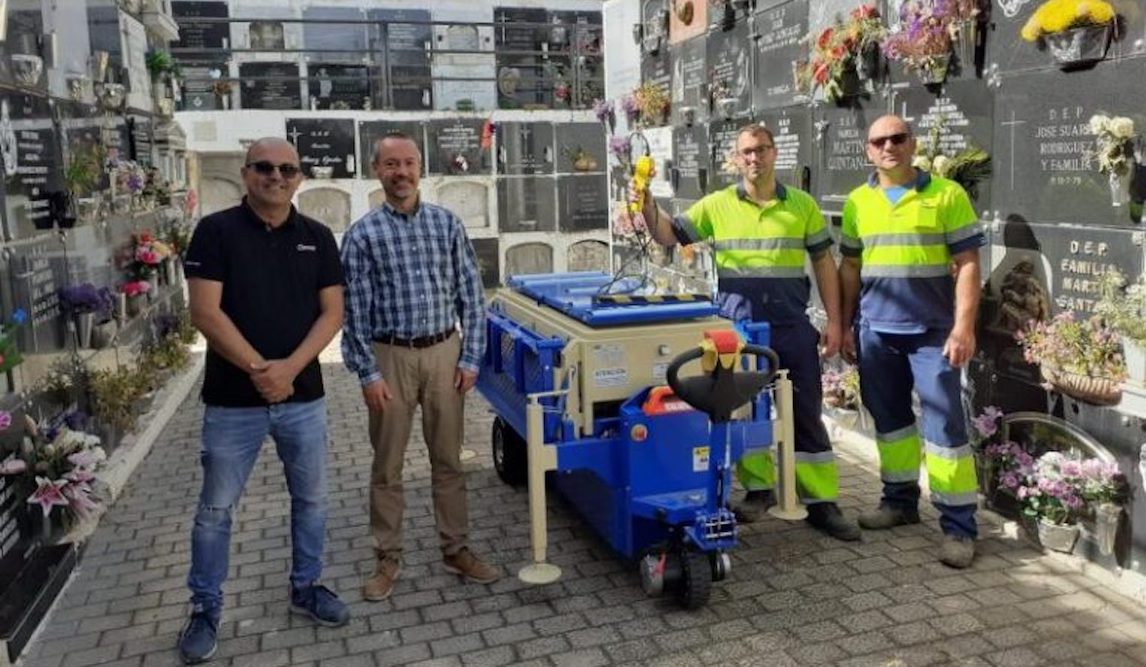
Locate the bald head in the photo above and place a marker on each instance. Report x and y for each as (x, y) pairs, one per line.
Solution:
(890, 148)
(276, 144)
(886, 125)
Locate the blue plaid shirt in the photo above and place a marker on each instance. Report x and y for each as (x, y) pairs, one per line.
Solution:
(409, 276)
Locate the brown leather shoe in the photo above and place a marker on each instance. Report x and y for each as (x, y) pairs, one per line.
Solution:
(468, 565)
(379, 586)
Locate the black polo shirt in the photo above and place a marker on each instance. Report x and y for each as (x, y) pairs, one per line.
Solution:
(271, 278)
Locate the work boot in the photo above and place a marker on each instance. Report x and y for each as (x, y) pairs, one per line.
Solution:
(829, 520)
(379, 586)
(886, 516)
(470, 567)
(957, 552)
(754, 505)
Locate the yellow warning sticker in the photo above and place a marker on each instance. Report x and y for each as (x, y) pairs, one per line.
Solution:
(699, 459)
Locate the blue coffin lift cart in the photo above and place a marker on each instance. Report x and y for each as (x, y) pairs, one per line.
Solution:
(577, 378)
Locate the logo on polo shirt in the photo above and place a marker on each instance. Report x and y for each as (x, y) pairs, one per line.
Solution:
(306, 248)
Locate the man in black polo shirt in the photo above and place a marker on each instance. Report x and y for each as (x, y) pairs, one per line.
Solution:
(266, 291)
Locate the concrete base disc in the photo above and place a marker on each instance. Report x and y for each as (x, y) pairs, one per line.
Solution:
(797, 514)
(539, 573)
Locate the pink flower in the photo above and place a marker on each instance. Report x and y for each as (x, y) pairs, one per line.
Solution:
(84, 459)
(13, 467)
(5, 419)
(136, 288)
(79, 475)
(79, 499)
(48, 494)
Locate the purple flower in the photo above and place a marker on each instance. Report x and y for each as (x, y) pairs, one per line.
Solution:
(620, 147)
(1010, 480)
(603, 110)
(13, 467)
(5, 419)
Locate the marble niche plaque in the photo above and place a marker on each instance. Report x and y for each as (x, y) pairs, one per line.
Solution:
(334, 86)
(325, 38)
(781, 29)
(588, 256)
(690, 75)
(488, 252)
(21, 58)
(33, 180)
(197, 35)
(519, 33)
(401, 39)
(468, 199)
(1038, 270)
(689, 174)
(526, 258)
(455, 147)
(722, 142)
(526, 204)
(792, 131)
(728, 87)
(329, 206)
(474, 61)
(961, 114)
(326, 142)
(582, 202)
(199, 86)
(270, 86)
(1010, 53)
(370, 131)
(525, 148)
(580, 147)
(841, 135)
(1044, 152)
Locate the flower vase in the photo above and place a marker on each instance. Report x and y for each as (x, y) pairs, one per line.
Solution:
(1107, 519)
(966, 42)
(170, 273)
(1134, 355)
(1057, 537)
(987, 476)
(1079, 46)
(1086, 388)
(1119, 189)
(84, 324)
(135, 304)
(103, 334)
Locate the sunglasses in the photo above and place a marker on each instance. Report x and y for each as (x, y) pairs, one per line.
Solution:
(265, 168)
(895, 139)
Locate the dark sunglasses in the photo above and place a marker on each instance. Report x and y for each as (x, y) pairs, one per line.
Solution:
(265, 168)
(895, 139)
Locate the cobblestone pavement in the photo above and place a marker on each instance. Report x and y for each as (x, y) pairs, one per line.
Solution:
(793, 597)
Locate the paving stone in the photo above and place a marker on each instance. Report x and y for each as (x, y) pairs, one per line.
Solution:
(793, 597)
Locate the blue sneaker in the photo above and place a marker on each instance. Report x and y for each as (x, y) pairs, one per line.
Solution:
(198, 639)
(321, 604)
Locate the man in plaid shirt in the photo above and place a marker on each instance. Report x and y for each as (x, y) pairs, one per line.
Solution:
(411, 278)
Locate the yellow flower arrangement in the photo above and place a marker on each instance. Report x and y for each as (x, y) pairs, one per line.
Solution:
(1058, 15)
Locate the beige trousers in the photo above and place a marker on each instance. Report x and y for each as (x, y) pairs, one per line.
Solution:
(419, 377)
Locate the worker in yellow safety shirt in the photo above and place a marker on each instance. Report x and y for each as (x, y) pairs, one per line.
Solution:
(910, 244)
(762, 233)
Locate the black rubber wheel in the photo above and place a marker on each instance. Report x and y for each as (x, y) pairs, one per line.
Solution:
(695, 579)
(510, 456)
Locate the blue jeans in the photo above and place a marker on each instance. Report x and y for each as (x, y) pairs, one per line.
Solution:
(232, 438)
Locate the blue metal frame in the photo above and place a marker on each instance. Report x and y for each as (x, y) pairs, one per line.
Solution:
(573, 294)
(640, 479)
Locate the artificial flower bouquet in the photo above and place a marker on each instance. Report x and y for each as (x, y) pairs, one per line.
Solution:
(60, 462)
(927, 31)
(838, 51)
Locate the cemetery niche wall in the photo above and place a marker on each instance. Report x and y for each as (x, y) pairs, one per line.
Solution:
(85, 185)
(1051, 124)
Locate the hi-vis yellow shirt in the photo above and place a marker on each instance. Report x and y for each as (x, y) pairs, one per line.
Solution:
(906, 248)
(760, 250)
